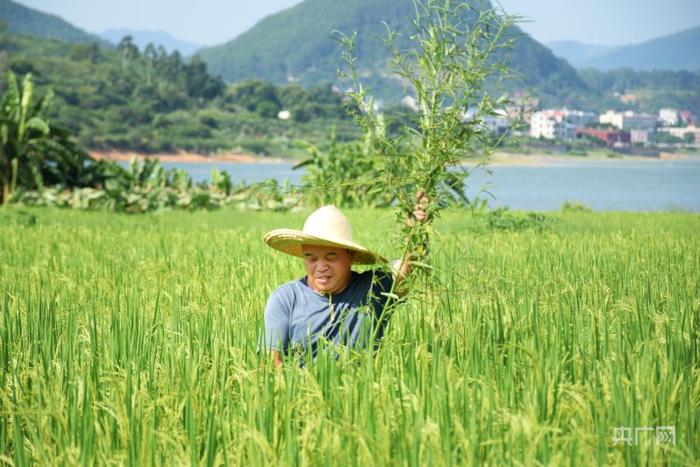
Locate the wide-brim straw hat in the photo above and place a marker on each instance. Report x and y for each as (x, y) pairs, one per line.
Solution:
(326, 226)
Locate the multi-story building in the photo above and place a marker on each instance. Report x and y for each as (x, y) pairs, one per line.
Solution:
(542, 126)
(558, 123)
(628, 120)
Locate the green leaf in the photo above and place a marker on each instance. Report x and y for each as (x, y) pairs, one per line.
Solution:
(27, 94)
(36, 123)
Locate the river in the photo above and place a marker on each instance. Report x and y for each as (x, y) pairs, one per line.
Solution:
(602, 185)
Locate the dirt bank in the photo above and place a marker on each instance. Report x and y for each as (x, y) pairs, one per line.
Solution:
(188, 157)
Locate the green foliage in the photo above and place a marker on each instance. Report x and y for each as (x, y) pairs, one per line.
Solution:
(257, 96)
(665, 137)
(141, 199)
(347, 175)
(148, 187)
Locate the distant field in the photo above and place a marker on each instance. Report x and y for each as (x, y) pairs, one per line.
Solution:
(132, 339)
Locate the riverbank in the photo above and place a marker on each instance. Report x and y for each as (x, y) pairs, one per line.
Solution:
(498, 159)
(186, 157)
(541, 159)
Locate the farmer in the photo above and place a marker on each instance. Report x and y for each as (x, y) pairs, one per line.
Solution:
(332, 304)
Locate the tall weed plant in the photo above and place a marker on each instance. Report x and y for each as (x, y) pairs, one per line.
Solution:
(447, 69)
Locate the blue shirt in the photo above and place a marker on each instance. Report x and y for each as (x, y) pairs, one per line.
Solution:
(299, 318)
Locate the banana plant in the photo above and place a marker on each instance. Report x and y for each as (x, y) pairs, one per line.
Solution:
(35, 153)
(24, 129)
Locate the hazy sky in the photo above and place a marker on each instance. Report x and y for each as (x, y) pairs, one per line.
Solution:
(208, 22)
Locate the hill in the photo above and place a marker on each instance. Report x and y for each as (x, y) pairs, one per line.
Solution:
(675, 52)
(142, 38)
(23, 20)
(297, 45)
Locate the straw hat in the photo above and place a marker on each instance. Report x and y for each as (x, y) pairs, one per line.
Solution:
(326, 226)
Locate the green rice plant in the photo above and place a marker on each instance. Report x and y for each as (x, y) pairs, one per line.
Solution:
(502, 219)
(574, 206)
(133, 340)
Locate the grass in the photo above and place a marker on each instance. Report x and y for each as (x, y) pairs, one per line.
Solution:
(132, 340)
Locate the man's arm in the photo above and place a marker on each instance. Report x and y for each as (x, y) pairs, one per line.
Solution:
(276, 331)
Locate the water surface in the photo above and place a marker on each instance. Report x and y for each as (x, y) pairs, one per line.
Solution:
(602, 185)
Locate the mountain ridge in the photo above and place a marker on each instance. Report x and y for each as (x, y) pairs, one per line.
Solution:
(579, 53)
(296, 45)
(674, 52)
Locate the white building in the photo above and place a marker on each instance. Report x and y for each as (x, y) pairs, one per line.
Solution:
(668, 117)
(550, 124)
(542, 126)
(613, 118)
(628, 120)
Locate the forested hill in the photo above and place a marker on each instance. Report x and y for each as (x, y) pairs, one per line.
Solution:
(297, 44)
(22, 20)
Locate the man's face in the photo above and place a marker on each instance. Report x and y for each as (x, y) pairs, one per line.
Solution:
(327, 268)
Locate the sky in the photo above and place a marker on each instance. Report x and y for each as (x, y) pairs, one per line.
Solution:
(209, 22)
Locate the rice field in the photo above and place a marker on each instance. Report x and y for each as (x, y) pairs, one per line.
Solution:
(133, 340)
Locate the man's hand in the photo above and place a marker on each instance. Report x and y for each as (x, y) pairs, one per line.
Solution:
(277, 358)
(418, 214)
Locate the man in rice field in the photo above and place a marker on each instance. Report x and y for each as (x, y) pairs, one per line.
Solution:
(331, 305)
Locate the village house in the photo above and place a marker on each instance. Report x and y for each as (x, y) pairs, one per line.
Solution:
(628, 120)
(682, 132)
(612, 138)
